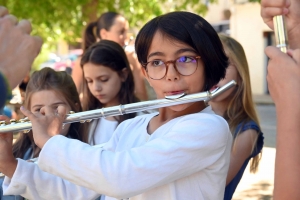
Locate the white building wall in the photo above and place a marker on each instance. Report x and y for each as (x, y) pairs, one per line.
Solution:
(246, 26)
(215, 11)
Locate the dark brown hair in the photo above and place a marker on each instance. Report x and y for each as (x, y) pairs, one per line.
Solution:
(61, 82)
(109, 54)
(105, 21)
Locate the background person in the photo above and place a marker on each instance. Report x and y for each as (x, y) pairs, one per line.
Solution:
(237, 107)
(108, 81)
(47, 88)
(111, 26)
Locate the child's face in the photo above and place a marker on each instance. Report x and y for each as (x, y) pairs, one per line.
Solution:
(164, 49)
(51, 99)
(104, 83)
(117, 32)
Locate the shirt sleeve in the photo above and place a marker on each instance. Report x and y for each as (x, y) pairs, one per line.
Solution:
(31, 182)
(190, 146)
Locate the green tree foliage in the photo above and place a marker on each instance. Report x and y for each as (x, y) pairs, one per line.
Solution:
(53, 19)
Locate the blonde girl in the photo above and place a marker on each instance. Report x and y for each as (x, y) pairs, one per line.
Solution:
(237, 107)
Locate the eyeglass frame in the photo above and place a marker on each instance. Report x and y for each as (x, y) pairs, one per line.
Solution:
(174, 64)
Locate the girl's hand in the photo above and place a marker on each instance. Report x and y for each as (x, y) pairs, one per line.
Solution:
(16, 42)
(46, 123)
(8, 163)
(284, 76)
(291, 10)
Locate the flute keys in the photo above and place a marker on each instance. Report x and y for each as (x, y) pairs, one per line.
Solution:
(71, 112)
(26, 119)
(83, 121)
(26, 131)
(22, 121)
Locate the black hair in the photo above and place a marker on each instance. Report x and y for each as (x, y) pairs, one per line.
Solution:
(192, 30)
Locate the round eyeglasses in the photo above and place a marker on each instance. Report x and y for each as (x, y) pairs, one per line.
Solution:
(184, 65)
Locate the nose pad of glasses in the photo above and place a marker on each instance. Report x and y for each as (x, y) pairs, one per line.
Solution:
(174, 67)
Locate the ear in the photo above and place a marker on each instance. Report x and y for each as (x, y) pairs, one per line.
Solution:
(124, 75)
(103, 33)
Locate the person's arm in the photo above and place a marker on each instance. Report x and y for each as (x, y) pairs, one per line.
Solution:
(7, 161)
(191, 146)
(242, 149)
(31, 182)
(284, 86)
(291, 10)
(139, 80)
(27, 179)
(16, 42)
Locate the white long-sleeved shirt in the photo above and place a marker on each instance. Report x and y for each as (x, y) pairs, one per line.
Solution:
(100, 131)
(186, 158)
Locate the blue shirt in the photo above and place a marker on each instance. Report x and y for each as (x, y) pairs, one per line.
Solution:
(230, 188)
(6, 111)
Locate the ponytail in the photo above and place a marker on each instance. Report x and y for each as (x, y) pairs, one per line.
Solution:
(92, 31)
(89, 37)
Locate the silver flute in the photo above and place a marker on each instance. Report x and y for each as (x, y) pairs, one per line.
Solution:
(25, 125)
(280, 32)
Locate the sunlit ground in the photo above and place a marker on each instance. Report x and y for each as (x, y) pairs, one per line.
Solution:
(258, 186)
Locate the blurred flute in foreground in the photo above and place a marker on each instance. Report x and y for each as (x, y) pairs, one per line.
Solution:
(280, 33)
(25, 125)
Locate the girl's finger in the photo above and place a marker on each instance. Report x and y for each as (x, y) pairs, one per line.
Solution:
(273, 52)
(61, 111)
(270, 12)
(42, 111)
(47, 110)
(13, 19)
(275, 3)
(38, 42)
(27, 113)
(3, 11)
(25, 26)
(295, 54)
(4, 118)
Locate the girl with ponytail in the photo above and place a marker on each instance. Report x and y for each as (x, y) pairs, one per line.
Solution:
(111, 26)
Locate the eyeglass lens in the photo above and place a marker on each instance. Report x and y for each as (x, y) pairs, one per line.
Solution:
(186, 66)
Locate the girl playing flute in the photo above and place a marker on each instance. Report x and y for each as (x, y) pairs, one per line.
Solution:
(182, 152)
